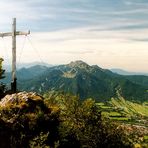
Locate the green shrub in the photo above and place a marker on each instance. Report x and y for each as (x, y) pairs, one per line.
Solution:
(2, 86)
(83, 126)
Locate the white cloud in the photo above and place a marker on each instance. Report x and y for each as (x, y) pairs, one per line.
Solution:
(107, 49)
(103, 39)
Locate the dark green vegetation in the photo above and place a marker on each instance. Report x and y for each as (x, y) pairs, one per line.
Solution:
(1, 70)
(83, 80)
(62, 121)
(141, 80)
(2, 86)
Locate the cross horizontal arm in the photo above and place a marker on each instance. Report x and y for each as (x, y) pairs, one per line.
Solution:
(17, 33)
(5, 34)
(22, 33)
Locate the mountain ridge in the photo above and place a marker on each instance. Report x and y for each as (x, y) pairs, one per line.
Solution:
(124, 72)
(84, 80)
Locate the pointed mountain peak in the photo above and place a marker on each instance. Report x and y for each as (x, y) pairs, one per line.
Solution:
(79, 64)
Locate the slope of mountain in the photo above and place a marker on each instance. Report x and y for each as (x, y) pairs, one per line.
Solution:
(26, 73)
(86, 81)
(139, 79)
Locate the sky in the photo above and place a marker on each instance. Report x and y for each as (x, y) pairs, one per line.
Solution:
(107, 33)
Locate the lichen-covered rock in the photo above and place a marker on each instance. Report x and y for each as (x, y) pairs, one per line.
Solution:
(23, 117)
(20, 97)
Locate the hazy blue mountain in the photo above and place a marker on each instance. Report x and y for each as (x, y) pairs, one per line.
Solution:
(123, 72)
(7, 67)
(81, 79)
(26, 73)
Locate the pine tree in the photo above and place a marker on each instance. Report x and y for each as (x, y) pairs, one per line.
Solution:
(1, 70)
(2, 86)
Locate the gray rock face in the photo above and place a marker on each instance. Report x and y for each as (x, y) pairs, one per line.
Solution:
(20, 97)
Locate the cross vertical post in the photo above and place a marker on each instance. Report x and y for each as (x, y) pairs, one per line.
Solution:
(14, 80)
(14, 33)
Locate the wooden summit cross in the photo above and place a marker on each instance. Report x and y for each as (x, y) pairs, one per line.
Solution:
(14, 33)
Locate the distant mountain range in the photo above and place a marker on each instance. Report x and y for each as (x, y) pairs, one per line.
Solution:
(123, 72)
(7, 67)
(24, 74)
(119, 71)
(81, 79)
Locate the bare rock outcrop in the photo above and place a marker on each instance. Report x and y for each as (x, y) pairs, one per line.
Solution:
(18, 98)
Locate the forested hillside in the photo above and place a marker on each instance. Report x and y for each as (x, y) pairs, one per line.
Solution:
(86, 81)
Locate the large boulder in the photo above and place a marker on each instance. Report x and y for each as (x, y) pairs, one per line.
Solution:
(24, 117)
(21, 97)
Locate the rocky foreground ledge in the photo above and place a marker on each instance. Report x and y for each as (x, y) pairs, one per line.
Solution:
(21, 97)
(25, 119)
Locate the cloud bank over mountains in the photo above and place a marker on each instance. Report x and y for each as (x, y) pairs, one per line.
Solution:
(109, 33)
